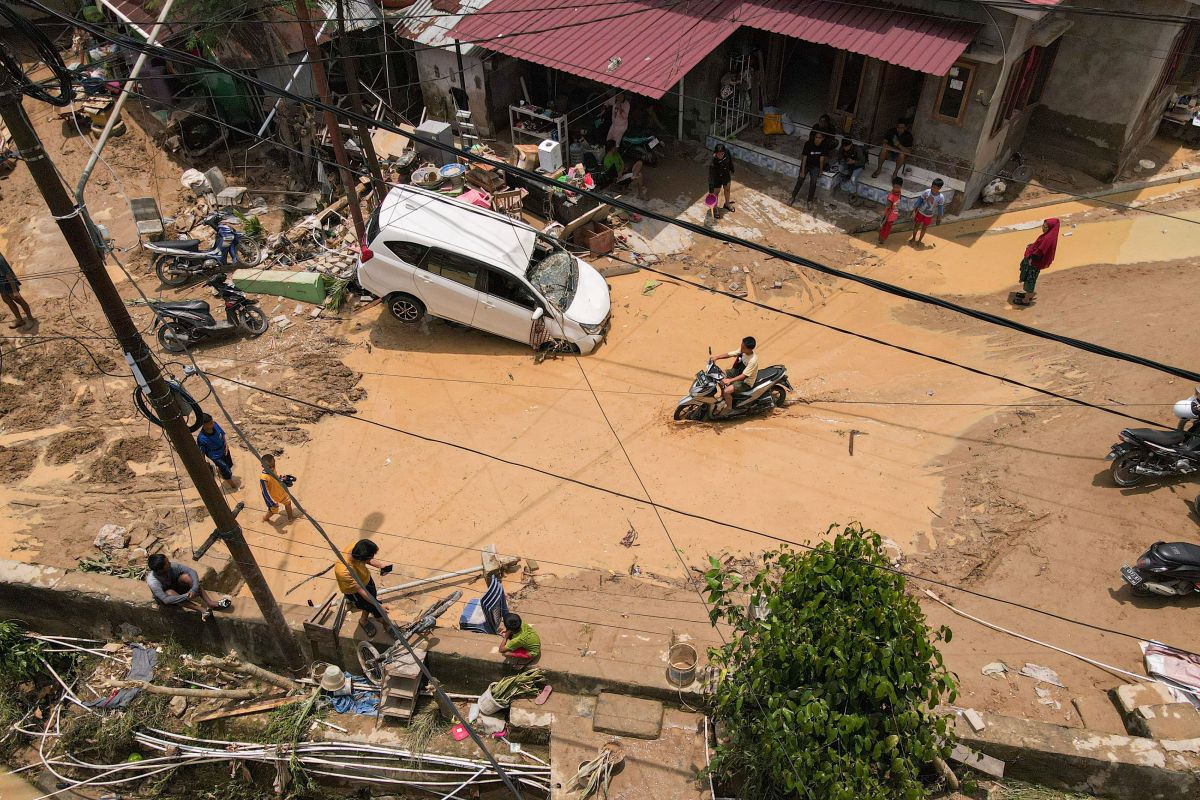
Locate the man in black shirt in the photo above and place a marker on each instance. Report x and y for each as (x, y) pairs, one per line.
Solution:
(897, 144)
(811, 167)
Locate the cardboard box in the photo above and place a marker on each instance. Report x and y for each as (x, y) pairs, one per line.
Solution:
(527, 156)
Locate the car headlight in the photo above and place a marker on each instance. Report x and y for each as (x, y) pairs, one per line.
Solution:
(593, 330)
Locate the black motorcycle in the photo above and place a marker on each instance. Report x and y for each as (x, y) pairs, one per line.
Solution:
(180, 324)
(1167, 569)
(769, 391)
(1146, 454)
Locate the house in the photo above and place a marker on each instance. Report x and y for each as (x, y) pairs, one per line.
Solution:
(975, 81)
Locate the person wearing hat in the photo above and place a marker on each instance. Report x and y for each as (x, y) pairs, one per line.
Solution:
(361, 595)
(720, 174)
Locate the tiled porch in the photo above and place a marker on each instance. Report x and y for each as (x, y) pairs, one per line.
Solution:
(783, 157)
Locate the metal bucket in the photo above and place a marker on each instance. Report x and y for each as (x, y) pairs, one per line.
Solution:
(681, 665)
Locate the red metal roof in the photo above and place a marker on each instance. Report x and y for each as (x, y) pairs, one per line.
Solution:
(917, 41)
(644, 46)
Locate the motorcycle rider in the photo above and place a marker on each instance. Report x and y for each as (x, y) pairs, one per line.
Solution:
(741, 376)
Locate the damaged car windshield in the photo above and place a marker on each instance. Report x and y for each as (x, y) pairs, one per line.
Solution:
(553, 271)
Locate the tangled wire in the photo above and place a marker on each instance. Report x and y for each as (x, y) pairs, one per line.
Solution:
(47, 53)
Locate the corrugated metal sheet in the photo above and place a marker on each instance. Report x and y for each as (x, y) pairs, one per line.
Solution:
(423, 23)
(916, 41)
(642, 46)
(645, 47)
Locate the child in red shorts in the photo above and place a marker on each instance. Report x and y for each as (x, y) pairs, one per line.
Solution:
(930, 204)
(891, 211)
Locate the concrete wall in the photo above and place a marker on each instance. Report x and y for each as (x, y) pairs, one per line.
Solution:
(437, 70)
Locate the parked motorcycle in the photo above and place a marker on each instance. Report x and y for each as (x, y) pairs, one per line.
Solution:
(178, 261)
(769, 391)
(1146, 454)
(642, 146)
(180, 324)
(1168, 569)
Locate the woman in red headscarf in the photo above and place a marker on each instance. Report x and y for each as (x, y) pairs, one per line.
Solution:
(1038, 256)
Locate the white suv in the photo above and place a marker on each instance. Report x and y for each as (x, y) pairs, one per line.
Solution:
(430, 254)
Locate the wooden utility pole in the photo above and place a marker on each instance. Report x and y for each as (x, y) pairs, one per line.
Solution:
(71, 222)
(349, 185)
(350, 66)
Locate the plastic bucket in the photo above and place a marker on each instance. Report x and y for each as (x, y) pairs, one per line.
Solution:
(487, 705)
(681, 665)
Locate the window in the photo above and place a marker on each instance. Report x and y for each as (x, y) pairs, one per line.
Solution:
(848, 82)
(508, 287)
(452, 266)
(409, 252)
(955, 93)
(1025, 83)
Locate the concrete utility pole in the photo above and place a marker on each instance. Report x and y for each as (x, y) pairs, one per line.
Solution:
(331, 124)
(350, 65)
(70, 218)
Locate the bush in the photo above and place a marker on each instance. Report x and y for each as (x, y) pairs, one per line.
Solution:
(829, 690)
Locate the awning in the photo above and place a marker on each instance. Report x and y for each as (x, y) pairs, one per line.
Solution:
(917, 41)
(646, 47)
(641, 45)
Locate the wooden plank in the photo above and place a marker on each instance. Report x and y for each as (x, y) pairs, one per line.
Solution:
(255, 708)
(976, 760)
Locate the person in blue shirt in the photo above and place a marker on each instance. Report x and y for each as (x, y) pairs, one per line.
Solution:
(211, 440)
(929, 206)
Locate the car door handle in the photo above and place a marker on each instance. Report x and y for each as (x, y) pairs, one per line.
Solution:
(486, 304)
(427, 279)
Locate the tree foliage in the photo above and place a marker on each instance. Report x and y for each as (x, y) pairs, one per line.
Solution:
(829, 690)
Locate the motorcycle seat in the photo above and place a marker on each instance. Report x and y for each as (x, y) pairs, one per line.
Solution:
(1160, 438)
(184, 305)
(768, 374)
(1177, 553)
(180, 244)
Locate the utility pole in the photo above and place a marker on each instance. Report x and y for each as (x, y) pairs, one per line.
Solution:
(331, 124)
(350, 65)
(70, 218)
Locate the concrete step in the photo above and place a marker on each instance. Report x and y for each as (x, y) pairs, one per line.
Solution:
(627, 716)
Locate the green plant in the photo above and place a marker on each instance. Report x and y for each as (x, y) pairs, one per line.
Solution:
(828, 689)
(109, 734)
(251, 225)
(523, 684)
(20, 656)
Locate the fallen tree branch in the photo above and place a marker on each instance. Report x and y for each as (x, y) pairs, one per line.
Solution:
(235, 663)
(224, 694)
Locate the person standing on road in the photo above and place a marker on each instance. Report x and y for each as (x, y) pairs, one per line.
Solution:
(1038, 255)
(272, 490)
(360, 557)
(811, 167)
(720, 174)
(891, 211)
(211, 440)
(10, 290)
(930, 206)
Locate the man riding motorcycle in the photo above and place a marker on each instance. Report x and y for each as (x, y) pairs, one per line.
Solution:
(740, 377)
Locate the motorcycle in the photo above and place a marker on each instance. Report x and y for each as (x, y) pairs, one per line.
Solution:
(644, 147)
(177, 261)
(1144, 454)
(180, 324)
(1168, 569)
(375, 664)
(769, 391)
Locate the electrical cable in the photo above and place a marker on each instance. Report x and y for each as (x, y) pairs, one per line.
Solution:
(633, 498)
(49, 55)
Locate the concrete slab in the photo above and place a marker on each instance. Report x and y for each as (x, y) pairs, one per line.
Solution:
(1131, 695)
(666, 768)
(628, 716)
(1099, 713)
(1168, 721)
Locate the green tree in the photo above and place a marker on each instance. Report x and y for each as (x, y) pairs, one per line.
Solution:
(828, 689)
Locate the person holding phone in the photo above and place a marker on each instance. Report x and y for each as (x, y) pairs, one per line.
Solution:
(362, 596)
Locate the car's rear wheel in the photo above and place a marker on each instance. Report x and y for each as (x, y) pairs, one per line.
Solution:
(406, 308)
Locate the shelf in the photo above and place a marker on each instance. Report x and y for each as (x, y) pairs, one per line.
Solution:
(558, 132)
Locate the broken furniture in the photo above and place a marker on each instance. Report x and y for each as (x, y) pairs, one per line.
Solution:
(597, 237)
(509, 202)
(401, 685)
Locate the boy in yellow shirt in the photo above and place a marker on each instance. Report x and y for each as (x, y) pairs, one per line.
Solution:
(360, 557)
(272, 490)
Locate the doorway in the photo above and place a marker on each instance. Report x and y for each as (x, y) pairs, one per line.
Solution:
(899, 92)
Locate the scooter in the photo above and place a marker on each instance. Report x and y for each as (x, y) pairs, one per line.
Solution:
(177, 261)
(1167, 569)
(1144, 454)
(769, 391)
(642, 146)
(181, 324)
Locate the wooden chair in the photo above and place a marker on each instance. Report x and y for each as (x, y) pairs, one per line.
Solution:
(509, 202)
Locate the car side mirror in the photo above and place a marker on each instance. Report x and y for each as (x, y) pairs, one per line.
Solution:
(537, 313)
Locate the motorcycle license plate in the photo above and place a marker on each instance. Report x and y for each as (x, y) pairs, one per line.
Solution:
(653, 142)
(1131, 577)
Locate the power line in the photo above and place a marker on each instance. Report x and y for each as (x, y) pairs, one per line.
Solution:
(626, 496)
